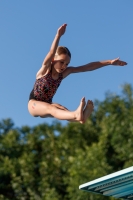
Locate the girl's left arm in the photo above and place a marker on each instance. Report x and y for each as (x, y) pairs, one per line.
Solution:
(93, 66)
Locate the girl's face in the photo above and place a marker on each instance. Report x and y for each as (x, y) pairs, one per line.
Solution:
(61, 62)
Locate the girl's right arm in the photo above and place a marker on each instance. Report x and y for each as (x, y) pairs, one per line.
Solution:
(46, 65)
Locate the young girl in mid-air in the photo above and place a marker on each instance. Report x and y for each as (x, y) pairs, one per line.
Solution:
(54, 69)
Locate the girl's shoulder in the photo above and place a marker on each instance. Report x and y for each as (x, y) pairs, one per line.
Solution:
(68, 71)
(40, 75)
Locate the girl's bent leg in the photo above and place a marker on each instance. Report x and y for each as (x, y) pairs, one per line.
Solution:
(43, 109)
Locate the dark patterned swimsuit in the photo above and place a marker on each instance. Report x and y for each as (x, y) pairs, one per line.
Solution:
(45, 88)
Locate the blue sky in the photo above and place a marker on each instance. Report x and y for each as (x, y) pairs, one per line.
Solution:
(97, 30)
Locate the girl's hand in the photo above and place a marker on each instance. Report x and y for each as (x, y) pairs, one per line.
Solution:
(61, 30)
(118, 62)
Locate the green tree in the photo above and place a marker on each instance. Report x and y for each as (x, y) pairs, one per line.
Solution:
(50, 161)
(114, 149)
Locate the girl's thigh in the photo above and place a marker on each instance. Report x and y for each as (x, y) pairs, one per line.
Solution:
(38, 108)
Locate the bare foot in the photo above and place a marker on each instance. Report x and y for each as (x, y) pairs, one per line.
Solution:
(82, 121)
(88, 110)
(79, 111)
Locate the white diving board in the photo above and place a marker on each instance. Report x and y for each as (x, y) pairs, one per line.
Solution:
(118, 184)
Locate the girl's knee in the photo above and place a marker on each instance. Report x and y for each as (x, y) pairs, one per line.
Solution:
(39, 109)
(31, 109)
(32, 113)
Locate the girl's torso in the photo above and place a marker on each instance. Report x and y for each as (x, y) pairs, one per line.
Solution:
(45, 88)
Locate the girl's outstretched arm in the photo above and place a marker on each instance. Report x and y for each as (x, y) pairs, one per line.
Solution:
(93, 66)
(48, 59)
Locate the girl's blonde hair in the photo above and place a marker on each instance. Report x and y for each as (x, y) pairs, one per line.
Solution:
(62, 50)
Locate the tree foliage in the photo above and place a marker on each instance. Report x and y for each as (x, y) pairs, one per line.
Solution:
(50, 161)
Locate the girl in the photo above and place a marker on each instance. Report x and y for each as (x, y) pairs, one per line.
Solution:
(54, 69)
